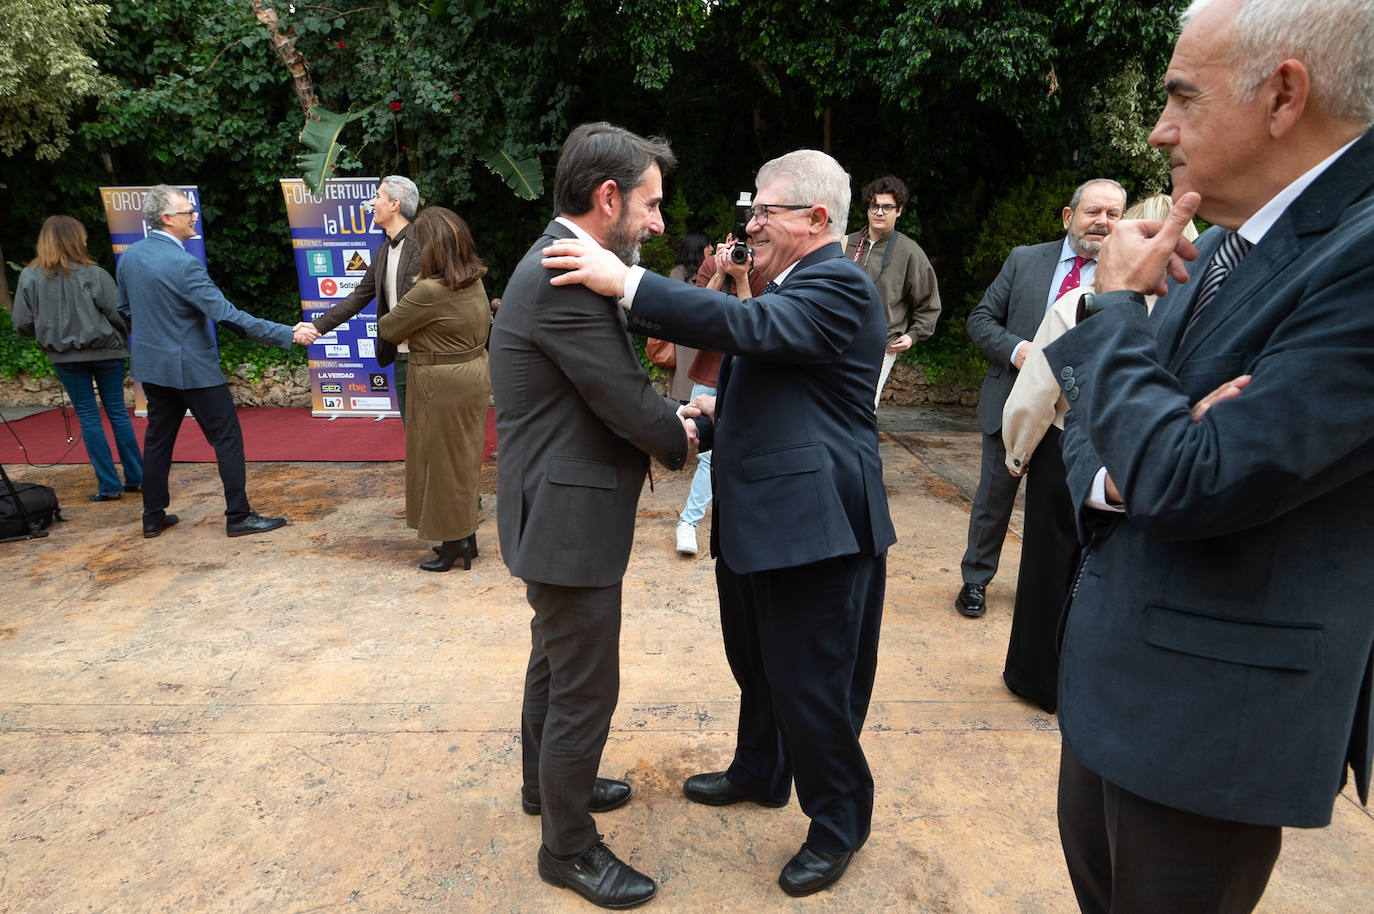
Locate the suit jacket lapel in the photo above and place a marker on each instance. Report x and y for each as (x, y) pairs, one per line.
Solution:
(1171, 312)
(1044, 275)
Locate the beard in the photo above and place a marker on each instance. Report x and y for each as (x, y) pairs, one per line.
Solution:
(624, 242)
(1088, 244)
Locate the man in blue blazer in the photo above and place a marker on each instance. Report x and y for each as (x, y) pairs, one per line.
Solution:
(1218, 654)
(800, 525)
(167, 295)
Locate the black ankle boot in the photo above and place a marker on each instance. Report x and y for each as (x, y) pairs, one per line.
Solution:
(472, 538)
(449, 552)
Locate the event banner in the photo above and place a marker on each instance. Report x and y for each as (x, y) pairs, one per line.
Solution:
(124, 215)
(334, 238)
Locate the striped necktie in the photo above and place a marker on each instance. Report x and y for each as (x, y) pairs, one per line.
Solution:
(1233, 248)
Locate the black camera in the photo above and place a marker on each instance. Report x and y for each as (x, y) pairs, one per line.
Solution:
(744, 211)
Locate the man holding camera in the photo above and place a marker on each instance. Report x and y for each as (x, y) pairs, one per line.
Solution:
(801, 526)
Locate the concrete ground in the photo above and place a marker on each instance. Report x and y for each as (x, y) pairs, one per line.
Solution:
(303, 721)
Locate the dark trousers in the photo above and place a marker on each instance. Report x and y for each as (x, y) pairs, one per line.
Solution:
(1049, 559)
(991, 513)
(803, 646)
(400, 379)
(213, 408)
(571, 687)
(1130, 855)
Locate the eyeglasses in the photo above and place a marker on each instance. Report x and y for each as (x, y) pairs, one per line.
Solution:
(883, 208)
(760, 211)
(182, 212)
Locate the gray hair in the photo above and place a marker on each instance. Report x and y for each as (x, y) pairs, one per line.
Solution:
(403, 191)
(1078, 194)
(815, 179)
(158, 203)
(1332, 38)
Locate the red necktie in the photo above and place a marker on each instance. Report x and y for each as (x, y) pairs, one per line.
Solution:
(1072, 279)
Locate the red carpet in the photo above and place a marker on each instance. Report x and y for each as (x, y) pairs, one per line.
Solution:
(269, 434)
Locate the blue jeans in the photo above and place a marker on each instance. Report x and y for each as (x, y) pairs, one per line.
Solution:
(81, 380)
(700, 496)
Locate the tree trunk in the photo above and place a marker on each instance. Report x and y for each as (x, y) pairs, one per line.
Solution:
(285, 46)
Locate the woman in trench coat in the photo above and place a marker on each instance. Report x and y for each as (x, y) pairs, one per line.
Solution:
(445, 317)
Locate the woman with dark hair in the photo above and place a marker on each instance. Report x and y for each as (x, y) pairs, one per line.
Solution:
(70, 306)
(446, 318)
(696, 247)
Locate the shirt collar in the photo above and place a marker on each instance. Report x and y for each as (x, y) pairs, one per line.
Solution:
(1066, 252)
(181, 244)
(581, 233)
(400, 236)
(1258, 225)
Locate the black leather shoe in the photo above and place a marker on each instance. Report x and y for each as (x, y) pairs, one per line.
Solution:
(154, 526)
(811, 870)
(100, 496)
(598, 876)
(714, 789)
(133, 488)
(606, 795)
(449, 552)
(972, 601)
(253, 523)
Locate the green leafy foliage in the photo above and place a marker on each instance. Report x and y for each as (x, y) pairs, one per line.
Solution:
(519, 169)
(969, 101)
(321, 133)
(47, 71)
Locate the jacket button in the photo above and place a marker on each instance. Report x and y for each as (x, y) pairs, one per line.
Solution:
(1072, 393)
(1066, 372)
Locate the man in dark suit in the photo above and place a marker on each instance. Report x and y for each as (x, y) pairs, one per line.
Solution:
(1217, 658)
(167, 296)
(1002, 326)
(389, 276)
(800, 526)
(578, 420)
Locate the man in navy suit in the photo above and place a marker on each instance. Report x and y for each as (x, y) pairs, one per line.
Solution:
(1003, 325)
(800, 526)
(1218, 654)
(167, 295)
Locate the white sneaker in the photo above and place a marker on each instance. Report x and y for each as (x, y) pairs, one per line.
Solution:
(686, 539)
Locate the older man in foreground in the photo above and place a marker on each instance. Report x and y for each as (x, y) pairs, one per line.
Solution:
(1219, 650)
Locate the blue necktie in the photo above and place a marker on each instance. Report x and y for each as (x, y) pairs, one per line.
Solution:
(770, 288)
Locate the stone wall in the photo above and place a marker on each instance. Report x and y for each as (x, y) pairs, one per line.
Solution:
(906, 386)
(280, 387)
